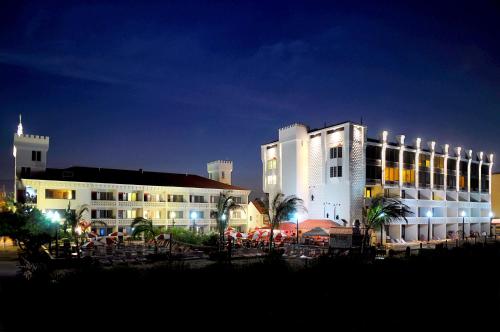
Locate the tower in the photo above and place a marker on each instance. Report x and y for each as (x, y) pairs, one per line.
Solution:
(30, 156)
(220, 170)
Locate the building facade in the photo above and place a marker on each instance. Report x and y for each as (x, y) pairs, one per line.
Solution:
(115, 197)
(337, 169)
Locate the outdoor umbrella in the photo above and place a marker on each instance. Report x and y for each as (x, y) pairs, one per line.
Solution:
(163, 237)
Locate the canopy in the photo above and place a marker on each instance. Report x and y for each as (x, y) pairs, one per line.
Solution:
(317, 231)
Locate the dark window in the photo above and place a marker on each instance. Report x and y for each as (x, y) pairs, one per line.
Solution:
(36, 155)
(339, 171)
(392, 155)
(331, 172)
(373, 173)
(339, 153)
(373, 152)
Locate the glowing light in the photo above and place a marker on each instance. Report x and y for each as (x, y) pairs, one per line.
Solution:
(223, 217)
(490, 214)
(20, 127)
(296, 216)
(172, 215)
(429, 214)
(194, 215)
(463, 214)
(78, 230)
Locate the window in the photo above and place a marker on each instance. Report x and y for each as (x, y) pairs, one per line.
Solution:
(176, 198)
(271, 164)
(408, 176)
(199, 214)
(336, 152)
(102, 196)
(424, 160)
(368, 192)
(236, 215)
(102, 214)
(196, 199)
(336, 171)
(172, 214)
(36, 155)
(373, 152)
(25, 171)
(271, 179)
(392, 155)
(223, 175)
(392, 174)
(60, 194)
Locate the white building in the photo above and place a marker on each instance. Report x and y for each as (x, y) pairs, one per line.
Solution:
(336, 170)
(116, 196)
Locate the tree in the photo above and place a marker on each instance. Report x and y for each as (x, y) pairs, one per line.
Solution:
(383, 211)
(145, 227)
(73, 219)
(28, 226)
(280, 209)
(225, 205)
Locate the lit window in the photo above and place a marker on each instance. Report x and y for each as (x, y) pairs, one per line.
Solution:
(271, 164)
(271, 179)
(60, 194)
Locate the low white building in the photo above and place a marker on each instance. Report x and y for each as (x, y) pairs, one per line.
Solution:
(117, 196)
(337, 169)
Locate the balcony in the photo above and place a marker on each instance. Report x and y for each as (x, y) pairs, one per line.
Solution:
(103, 203)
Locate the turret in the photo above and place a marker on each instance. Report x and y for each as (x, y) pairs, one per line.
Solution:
(30, 155)
(220, 170)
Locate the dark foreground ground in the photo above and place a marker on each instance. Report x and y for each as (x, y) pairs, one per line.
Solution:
(444, 290)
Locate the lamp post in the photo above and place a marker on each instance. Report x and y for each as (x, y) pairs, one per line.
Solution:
(296, 215)
(490, 214)
(55, 219)
(324, 208)
(172, 216)
(429, 216)
(382, 215)
(194, 215)
(463, 225)
(335, 210)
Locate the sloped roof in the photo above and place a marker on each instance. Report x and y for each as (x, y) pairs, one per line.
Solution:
(259, 205)
(316, 231)
(134, 177)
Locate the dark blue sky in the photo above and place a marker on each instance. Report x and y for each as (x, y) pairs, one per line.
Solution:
(169, 87)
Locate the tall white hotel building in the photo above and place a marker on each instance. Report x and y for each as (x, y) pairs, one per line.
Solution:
(116, 196)
(337, 169)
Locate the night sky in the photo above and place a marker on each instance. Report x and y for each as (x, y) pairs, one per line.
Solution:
(170, 86)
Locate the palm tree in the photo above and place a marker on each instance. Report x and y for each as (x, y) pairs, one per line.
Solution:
(383, 211)
(144, 226)
(225, 205)
(280, 209)
(72, 220)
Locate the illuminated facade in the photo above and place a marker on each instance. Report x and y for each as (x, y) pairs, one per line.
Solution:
(337, 169)
(116, 197)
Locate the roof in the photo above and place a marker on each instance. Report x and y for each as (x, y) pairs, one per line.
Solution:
(308, 224)
(316, 231)
(318, 129)
(259, 205)
(134, 177)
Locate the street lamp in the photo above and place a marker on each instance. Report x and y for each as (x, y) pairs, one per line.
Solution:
(55, 219)
(429, 216)
(194, 215)
(382, 215)
(172, 216)
(335, 210)
(324, 208)
(463, 225)
(490, 214)
(296, 215)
